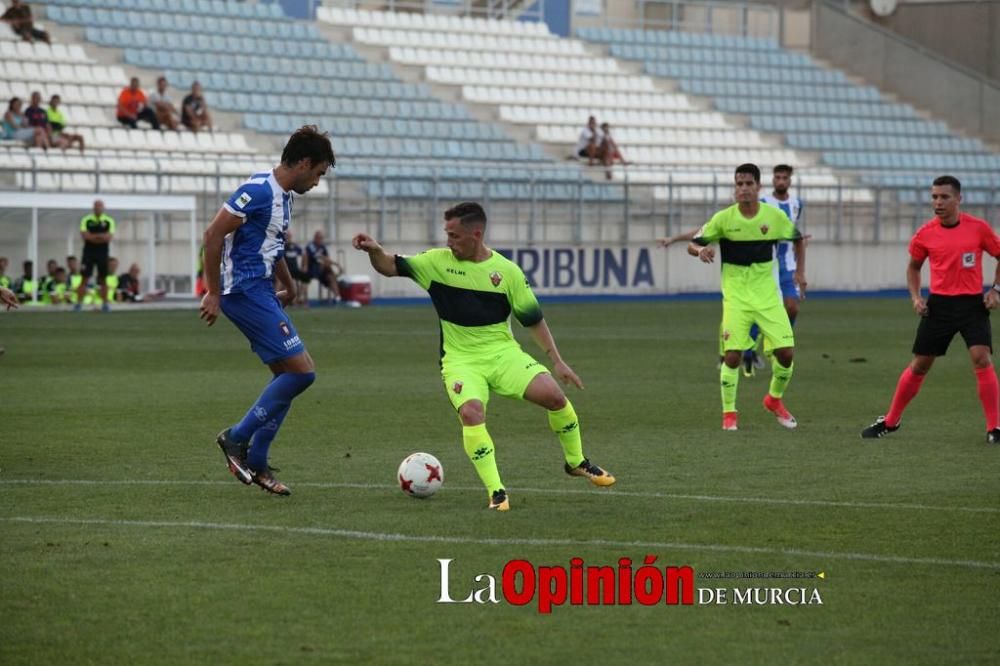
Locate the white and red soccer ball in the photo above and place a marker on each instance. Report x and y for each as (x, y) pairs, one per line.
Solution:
(420, 475)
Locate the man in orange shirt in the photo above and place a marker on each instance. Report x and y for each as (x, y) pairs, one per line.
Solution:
(132, 106)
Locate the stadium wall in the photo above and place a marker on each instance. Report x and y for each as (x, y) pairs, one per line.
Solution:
(961, 98)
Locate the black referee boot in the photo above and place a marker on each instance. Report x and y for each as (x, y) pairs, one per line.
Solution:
(993, 436)
(879, 429)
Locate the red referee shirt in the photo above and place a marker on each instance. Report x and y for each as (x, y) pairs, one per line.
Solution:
(956, 254)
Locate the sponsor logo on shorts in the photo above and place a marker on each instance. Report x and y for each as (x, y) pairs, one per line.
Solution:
(495, 278)
(457, 387)
(968, 260)
(292, 342)
(283, 327)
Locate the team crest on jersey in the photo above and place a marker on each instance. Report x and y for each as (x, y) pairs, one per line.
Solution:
(764, 229)
(495, 278)
(283, 327)
(457, 387)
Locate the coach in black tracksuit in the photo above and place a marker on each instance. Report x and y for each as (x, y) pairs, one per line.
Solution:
(97, 230)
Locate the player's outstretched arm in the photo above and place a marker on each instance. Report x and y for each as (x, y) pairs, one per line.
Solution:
(222, 225)
(543, 338)
(8, 298)
(667, 241)
(381, 262)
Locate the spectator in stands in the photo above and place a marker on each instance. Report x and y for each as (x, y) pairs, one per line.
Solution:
(36, 114)
(194, 111)
(591, 143)
(16, 127)
(25, 286)
(163, 107)
(132, 106)
(18, 16)
(293, 255)
(319, 266)
(58, 136)
(128, 285)
(611, 148)
(5, 281)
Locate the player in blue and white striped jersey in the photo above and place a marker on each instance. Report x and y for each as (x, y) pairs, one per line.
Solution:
(784, 254)
(244, 255)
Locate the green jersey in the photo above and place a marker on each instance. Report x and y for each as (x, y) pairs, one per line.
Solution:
(746, 247)
(474, 300)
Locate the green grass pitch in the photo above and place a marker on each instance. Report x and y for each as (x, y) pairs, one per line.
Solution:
(124, 540)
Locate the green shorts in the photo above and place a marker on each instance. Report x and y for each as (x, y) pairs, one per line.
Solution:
(507, 373)
(773, 322)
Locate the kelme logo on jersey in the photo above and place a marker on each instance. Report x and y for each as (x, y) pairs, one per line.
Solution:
(763, 229)
(495, 278)
(457, 387)
(725, 335)
(283, 327)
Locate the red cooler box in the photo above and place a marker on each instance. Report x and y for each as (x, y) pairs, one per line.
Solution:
(356, 289)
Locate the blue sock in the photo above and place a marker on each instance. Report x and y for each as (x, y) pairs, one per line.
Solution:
(275, 398)
(257, 456)
(754, 332)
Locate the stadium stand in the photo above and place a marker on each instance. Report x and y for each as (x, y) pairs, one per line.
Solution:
(852, 127)
(374, 116)
(665, 134)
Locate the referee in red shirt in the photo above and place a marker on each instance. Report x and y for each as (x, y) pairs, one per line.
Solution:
(955, 243)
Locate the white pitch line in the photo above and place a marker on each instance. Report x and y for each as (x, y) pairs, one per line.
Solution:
(389, 536)
(543, 491)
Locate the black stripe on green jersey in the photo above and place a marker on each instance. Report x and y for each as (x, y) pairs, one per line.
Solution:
(744, 253)
(468, 307)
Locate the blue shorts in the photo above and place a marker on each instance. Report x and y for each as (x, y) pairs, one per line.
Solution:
(258, 314)
(788, 287)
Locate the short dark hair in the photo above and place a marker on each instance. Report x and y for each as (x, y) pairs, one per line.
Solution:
(784, 168)
(948, 180)
(468, 212)
(12, 102)
(71, 257)
(308, 143)
(751, 169)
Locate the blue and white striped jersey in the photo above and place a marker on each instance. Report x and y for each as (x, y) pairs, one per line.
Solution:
(249, 253)
(784, 252)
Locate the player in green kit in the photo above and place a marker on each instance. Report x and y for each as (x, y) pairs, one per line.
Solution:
(747, 232)
(474, 291)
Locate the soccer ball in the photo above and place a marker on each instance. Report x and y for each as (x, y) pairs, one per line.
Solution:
(420, 475)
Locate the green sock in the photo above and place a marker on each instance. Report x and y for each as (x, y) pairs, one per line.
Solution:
(565, 424)
(780, 376)
(729, 378)
(479, 447)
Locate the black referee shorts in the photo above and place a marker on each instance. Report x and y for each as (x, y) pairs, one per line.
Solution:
(95, 259)
(948, 315)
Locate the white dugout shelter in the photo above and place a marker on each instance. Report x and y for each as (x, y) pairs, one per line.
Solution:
(115, 203)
